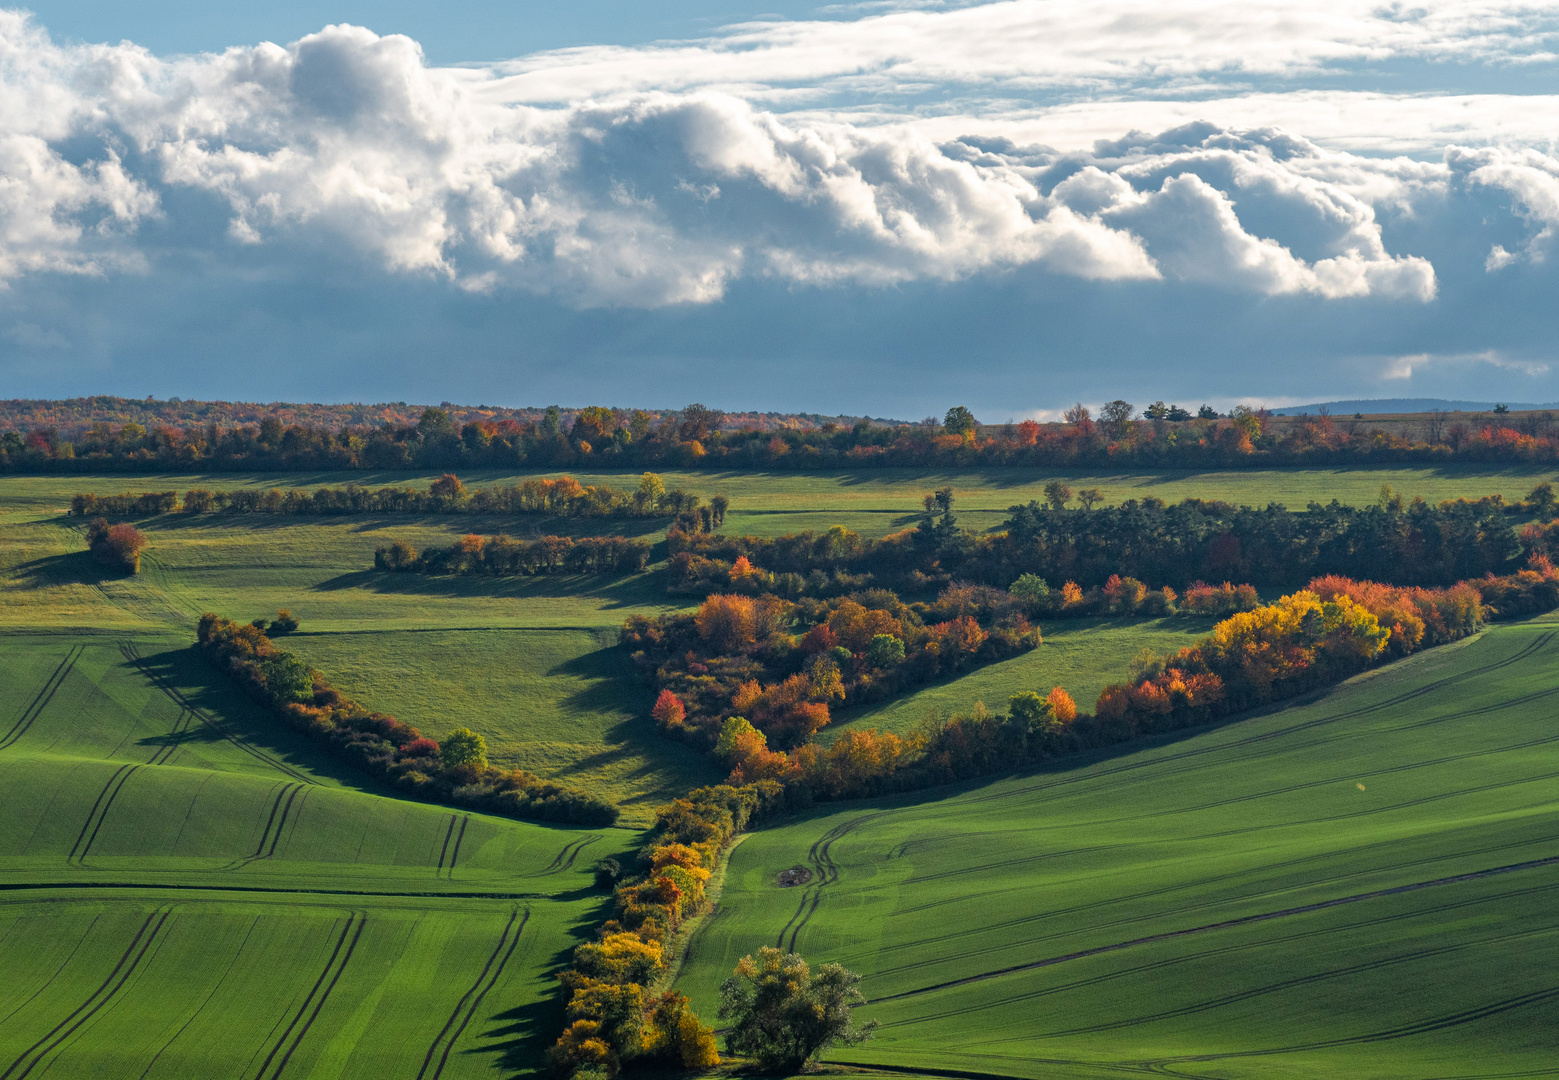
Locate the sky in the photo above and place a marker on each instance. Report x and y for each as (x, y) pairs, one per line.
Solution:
(884, 208)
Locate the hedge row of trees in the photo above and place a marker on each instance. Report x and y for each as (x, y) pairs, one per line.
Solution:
(614, 1013)
(783, 665)
(454, 771)
(1178, 546)
(1327, 632)
(560, 497)
(616, 438)
(503, 555)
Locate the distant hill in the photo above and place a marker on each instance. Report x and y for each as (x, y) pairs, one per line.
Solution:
(1406, 405)
(72, 417)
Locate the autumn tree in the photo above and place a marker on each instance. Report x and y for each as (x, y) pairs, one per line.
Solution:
(784, 1015)
(118, 546)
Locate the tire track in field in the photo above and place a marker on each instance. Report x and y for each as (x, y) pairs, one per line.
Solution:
(1138, 969)
(275, 824)
(165, 752)
(318, 994)
(99, 813)
(1226, 924)
(63, 965)
(454, 856)
(1203, 885)
(444, 851)
(565, 858)
(471, 1001)
(129, 961)
(215, 986)
(824, 873)
(41, 699)
(132, 653)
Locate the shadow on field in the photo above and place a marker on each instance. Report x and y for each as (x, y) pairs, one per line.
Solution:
(186, 677)
(76, 568)
(521, 1036)
(519, 525)
(634, 590)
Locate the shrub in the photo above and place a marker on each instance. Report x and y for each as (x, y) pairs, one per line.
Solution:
(118, 546)
(284, 623)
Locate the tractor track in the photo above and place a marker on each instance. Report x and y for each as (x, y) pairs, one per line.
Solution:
(471, 1001)
(41, 700)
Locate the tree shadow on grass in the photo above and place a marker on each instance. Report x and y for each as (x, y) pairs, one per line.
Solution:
(521, 1036)
(74, 568)
(185, 673)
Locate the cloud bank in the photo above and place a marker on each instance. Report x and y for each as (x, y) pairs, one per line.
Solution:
(1207, 156)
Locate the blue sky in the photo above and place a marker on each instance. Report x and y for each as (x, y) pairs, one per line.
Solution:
(882, 208)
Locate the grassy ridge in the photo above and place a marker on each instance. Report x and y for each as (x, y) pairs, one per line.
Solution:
(1283, 896)
(187, 890)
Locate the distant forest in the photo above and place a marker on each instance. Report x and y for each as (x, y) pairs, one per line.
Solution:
(220, 437)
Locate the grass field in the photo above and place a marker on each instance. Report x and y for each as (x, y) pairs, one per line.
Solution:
(1360, 886)
(188, 891)
(1082, 655)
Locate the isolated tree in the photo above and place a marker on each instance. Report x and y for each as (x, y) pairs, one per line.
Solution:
(651, 490)
(1115, 415)
(118, 546)
(462, 747)
(447, 486)
(1090, 497)
(1057, 494)
(958, 421)
(785, 1016)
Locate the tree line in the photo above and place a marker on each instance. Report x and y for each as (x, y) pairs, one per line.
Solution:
(454, 771)
(560, 497)
(1159, 437)
(1145, 542)
(504, 556)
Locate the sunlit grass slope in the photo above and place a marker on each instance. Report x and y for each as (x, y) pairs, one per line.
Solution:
(1082, 655)
(1360, 886)
(187, 891)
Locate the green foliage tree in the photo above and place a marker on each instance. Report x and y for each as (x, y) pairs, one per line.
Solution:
(1115, 415)
(958, 421)
(435, 424)
(1029, 712)
(1090, 497)
(785, 1016)
(652, 489)
(287, 678)
(1031, 589)
(885, 651)
(1207, 412)
(284, 623)
(1058, 494)
(462, 747)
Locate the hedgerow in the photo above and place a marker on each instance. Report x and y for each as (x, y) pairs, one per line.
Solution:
(380, 744)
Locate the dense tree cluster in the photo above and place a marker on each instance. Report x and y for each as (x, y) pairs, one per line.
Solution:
(612, 1013)
(560, 497)
(784, 1015)
(1163, 437)
(782, 664)
(455, 772)
(117, 546)
(503, 555)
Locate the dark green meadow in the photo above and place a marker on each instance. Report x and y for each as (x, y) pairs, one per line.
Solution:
(187, 890)
(1362, 885)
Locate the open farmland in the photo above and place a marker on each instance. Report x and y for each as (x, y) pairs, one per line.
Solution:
(188, 891)
(1362, 885)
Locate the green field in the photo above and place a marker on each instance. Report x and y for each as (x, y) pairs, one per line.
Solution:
(1360, 886)
(188, 891)
(1082, 655)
